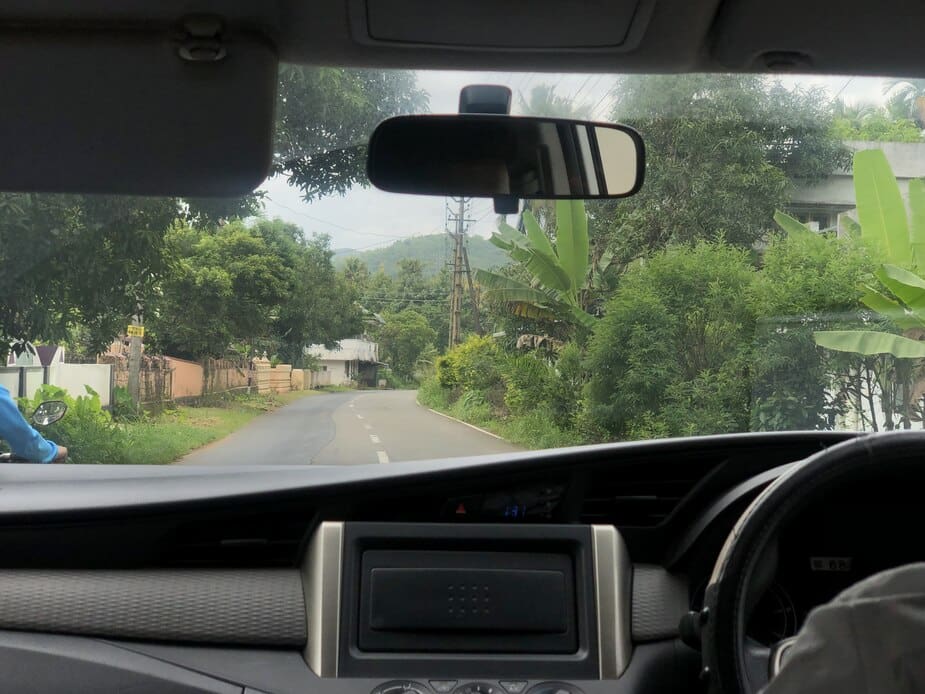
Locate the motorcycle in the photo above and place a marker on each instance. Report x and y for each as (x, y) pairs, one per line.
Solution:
(46, 413)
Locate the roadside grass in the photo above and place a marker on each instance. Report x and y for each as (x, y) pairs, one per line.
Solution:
(165, 437)
(534, 429)
(336, 389)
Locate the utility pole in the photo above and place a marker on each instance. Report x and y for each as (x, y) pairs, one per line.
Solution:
(136, 332)
(460, 268)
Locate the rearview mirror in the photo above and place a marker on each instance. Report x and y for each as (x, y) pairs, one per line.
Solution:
(504, 156)
(49, 412)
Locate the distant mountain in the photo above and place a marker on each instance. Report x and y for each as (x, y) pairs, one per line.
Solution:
(433, 251)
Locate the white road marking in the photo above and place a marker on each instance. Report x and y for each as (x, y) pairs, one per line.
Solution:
(359, 416)
(350, 404)
(374, 438)
(367, 426)
(383, 457)
(465, 424)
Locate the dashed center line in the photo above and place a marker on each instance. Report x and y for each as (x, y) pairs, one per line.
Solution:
(359, 416)
(374, 438)
(383, 457)
(367, 426)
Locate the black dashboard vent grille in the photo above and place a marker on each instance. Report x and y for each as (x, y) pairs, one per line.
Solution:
(635, 497)
(266, 540)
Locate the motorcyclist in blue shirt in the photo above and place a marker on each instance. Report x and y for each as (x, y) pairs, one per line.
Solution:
(25, 441)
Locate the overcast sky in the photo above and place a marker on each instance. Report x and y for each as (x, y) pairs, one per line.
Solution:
(368, 218)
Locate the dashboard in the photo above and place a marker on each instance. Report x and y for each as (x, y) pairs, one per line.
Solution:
(560, 572)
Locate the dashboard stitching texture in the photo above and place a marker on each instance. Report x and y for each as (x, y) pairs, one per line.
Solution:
(261, 607)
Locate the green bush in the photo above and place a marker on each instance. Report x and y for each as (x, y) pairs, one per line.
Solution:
(472, 406)
(446, 371)
(565, 386)
(478, 363)
(87, 430)
(527, 382)
(672, 354)
(432, 394)
(122, 408)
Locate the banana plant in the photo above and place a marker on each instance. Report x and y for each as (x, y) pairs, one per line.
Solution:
(900, 296)
(559, 272)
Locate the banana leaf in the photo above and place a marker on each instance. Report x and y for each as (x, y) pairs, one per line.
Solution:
(851, 227)
(870, 342)
(885, 306)
(572, 239)
(547, 271)
(791, 225)
(881, 210)
(907, 286)
(917, 222)
(538, 239)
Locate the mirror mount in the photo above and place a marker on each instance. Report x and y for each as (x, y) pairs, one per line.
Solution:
(506, 204)
(485, 98)
(491, 99)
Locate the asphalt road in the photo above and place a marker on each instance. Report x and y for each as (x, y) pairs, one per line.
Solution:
(352, 428)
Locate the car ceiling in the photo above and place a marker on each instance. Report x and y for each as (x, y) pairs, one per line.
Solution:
(559, 35)
(106, 97)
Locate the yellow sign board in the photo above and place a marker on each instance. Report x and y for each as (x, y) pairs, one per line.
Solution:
(135, 331)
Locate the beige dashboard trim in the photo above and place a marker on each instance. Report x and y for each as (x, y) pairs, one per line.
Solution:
(613, 582)
(321, 580)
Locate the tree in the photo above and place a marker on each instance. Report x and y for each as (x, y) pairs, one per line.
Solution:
(670, 357)
(906, 97)
(543, 101)
(807, 282)
(722, 152)
(897, 299)
(403, 339)
(226, 287)
(324, 117)
(559, 273)
(72, 260)
(877, 126)
(264, 286)
(320, 306)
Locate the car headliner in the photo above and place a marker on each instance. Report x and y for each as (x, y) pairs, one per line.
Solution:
(848, 37)
(99, 101)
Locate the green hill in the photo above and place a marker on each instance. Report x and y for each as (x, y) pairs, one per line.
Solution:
(433, 251)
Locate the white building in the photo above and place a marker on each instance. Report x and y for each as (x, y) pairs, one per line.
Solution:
(820, 205)
(354, 361)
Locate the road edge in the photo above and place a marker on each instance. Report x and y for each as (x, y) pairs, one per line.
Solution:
(455, 419)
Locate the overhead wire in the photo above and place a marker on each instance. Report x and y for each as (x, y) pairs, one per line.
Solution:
(333, 224)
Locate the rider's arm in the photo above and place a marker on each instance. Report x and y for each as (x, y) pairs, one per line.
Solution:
(25, 441)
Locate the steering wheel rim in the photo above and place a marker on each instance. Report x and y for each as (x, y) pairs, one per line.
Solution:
(730, 660)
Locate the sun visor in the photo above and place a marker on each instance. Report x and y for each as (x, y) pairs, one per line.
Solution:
(136, 112)
(604, 25)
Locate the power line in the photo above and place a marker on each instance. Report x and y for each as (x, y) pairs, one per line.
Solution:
(333, 224)
(584, 84)
(403, 299)
(604, 98)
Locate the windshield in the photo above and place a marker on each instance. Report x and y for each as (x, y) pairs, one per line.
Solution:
(767, 277)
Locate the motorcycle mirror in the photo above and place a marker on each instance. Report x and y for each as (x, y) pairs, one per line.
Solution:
(49, 412)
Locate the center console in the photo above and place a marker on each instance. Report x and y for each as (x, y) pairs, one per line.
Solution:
(468, 609)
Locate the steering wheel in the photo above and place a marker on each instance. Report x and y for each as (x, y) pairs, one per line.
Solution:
(734, 663)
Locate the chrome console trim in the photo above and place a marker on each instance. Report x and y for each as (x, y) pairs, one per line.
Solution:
(322, 569)
(613, 574)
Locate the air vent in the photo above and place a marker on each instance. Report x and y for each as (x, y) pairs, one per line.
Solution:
(640, 495)
(265, 540)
